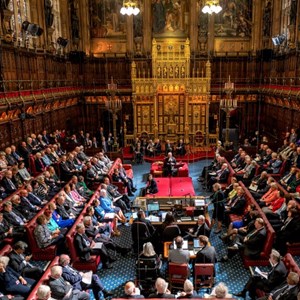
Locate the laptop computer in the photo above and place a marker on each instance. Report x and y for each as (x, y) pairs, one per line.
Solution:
(199, 202)
(184, 246)
(153, 207)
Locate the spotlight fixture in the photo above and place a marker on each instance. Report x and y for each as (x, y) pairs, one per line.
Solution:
(130, 7)
(62, 42)
(211, 6)
(32, 29)
(278, 39)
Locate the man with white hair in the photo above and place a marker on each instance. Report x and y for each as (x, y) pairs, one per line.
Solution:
(62, 289)
(273, 278)
(131, 291)
(161, 290)
(44, 293)
(188, 291)
(76, 279)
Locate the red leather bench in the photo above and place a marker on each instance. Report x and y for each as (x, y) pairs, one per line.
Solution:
(157, 169)
(263, 260)
(78, 264)
(5, 250)
(129, 173)
(291, 266)
(173, 186)
(44, 279)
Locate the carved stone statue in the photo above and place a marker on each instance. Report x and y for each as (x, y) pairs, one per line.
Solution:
(267, 20)
(74, 22)
(4, 4)
(48, 13)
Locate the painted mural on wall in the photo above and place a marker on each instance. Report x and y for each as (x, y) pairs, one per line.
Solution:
(235, 19)
(170, 18)
(106, 20)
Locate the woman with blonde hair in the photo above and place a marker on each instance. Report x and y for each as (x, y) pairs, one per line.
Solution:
(149, 252)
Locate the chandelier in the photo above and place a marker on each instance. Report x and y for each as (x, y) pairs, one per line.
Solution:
(211, 6)
(130, 7)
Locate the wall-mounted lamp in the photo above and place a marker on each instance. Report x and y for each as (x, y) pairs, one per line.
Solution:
(32, 29)
(62, 42)
(278, 39)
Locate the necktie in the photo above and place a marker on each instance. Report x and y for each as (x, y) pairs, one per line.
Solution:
(17, 218)
(28, 202)
(87, 242)
(11, 184)
(281, 292)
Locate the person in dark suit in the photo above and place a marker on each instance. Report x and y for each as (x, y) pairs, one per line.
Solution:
(98, 234)
(287, 290)
(236, 205)
(75, 278)
(142, 231)
(7, 183)
(21, 263)
(13, 283)
(221, 176)
(254, 241)
(131, 291)
(273, 278)
(151, 187)
(180, 149)
(289, 232)
(206, 254)
(168, 147)
(169, 165)
(24, 151)
(14, 218)
(84, 248)
(62, 289)
(200, 229)
(162, 291)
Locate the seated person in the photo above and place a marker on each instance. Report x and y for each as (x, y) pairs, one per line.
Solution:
(200, 229)
(150, 148)
(273, 278)
(168, 147)
(149, 253)
(108, 207)
(86, 247)
(288, 178)
(75, 278)
(254, 241)
(45, 238)
(162, 291)
(7, 183)
(131, 291)
(97, 234)
(188, 291)
(12, 282)
(220, 291)
(43, 292)
(179, 255)
(270, 196)
(61, 222)
(62, 289)
(151, 187)
(207, 254)
(180, 149)
(20, 262)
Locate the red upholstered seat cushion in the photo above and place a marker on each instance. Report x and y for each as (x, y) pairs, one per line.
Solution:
(182, 186)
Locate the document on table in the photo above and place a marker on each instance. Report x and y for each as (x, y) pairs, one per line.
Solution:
(262, 274)
(98, 245)
(87, 277)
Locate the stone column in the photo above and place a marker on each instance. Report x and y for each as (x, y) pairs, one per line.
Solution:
(193, 25)
(147, 29)
(129, 35)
